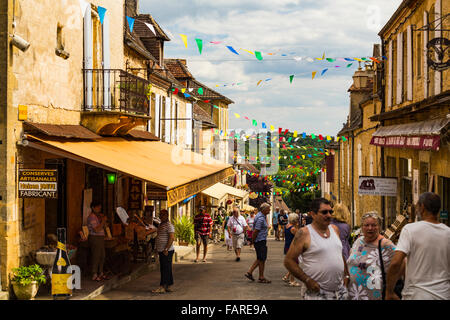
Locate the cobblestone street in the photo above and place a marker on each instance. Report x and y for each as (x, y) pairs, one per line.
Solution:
(221, 277)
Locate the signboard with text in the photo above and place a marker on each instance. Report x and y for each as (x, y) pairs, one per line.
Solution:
(376, 186)
(413, 142)
(38, 183)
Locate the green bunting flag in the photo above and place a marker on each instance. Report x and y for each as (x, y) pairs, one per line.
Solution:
(291, 78)
(258, 55)
(200, 90)
(255, 123)
(199, 45)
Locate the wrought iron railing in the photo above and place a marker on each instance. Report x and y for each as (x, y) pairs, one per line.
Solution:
(115, 90)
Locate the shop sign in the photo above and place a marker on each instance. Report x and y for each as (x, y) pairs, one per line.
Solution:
(413, 142)
(444, 215)
(437, 49)
(376, 186)
(135, 201)
(38, 183)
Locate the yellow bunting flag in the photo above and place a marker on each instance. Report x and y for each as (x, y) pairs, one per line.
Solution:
(183, 90)
(237, 115)
(258, 82)
(303, 156)
(272, 128)
(184, 37)
(358, 59)
(314, 74)
(248, 51)
(295, 134)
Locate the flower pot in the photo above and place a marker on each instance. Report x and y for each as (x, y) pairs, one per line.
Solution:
(27, 292)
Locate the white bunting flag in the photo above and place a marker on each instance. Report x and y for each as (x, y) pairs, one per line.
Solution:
(150, 26)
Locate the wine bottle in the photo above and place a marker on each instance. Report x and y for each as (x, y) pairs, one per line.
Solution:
(60, 273)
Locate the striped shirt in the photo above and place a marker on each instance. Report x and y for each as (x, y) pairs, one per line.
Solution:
(162, 238)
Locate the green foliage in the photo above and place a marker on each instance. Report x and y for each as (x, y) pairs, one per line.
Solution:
(184, 229)
(25, 275)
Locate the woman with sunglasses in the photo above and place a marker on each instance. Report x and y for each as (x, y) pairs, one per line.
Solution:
(366, 278)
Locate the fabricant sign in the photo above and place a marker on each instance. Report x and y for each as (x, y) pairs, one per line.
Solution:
(38, 183)
(376, 186)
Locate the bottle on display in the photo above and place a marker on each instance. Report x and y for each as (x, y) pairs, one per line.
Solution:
(60, 272)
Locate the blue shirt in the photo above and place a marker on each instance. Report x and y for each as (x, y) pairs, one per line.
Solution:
(261, 225)
(275, 217)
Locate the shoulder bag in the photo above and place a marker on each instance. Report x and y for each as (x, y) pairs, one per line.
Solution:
(398, 285)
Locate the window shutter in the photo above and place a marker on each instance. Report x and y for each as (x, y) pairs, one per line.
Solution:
(425, 61)
(389, 82)
(168, 122)
(409, 64)
(439, 24)
(88, 56)
(106, 63)
(157, 108)
(399, 95)
(330, 168)
(189, 124)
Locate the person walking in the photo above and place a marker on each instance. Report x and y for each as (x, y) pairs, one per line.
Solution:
(282, 222)
(323, 268)
(237, 226)
(426, 247)
(341, 219)
(250, 222)
(96, 223)
(364, 264)
(202, 229)
(228, 240)
(291, 229)
(275, 215)
(259, 238)
(164, 246)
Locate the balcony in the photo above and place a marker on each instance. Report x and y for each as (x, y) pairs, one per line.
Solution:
(115, 101)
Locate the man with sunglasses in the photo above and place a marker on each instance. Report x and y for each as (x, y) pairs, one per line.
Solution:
(318, 248)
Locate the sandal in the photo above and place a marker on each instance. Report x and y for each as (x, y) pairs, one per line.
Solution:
(285, 279)
(294, 284)
(249, 276)
(264, 281)
(159, 290)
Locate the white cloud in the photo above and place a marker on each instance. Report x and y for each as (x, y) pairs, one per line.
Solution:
(306, 27)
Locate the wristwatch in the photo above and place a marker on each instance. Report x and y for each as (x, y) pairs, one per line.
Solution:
(347, 277)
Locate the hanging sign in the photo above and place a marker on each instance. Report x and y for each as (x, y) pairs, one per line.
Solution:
(437, 48)
(376, 186)
(38, 183)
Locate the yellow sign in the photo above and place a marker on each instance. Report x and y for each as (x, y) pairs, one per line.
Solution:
(59, 284)
(23, 112)
(61, 246)
(61, 262)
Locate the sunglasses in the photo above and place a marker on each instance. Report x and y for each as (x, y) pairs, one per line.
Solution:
(326, 212)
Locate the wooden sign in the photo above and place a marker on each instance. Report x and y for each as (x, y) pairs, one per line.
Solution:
(135, 200)
(38, 183)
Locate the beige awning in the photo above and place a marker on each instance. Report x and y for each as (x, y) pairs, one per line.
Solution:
(421, 128)
(180, 172)
(220, 190)
(247, 207)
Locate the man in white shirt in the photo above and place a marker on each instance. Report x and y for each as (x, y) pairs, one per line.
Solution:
(237, 226)
(426, 245)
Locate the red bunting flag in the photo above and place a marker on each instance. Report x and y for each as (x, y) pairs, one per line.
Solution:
(298, 157)
(286, 131)
(279, 130)
(320, 137)
(175, 91)
(207, 101)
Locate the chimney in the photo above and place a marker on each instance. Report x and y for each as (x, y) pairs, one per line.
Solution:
(132, 8)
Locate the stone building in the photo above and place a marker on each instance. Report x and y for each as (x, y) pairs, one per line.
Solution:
(415, 113)
(87, 115)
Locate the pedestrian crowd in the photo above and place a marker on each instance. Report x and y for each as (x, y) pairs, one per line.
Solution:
(319, 254)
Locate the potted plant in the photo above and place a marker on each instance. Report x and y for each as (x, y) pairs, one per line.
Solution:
(184, 230)
(26, 281)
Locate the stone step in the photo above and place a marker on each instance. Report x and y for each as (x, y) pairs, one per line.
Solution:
(4, 295)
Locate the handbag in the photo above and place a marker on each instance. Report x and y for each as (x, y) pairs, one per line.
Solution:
(398, 285)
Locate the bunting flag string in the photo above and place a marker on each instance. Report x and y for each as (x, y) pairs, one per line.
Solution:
(130, 23)
(101, 13)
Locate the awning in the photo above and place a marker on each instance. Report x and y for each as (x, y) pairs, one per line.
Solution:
(424, 135)
(247, 207)
(181, 173)
(220, 190)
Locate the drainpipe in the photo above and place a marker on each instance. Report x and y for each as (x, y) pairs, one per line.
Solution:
(381, 95)
(353, 181)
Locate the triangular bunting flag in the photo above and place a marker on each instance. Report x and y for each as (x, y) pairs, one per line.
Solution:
(184, 38)
(258, 55)
(314, 74)
(232, 50)
(199, 45)
(291, 78)
(101, 13)
(130, 23)
(151, 27)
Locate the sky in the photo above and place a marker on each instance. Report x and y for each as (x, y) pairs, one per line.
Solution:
(291, 29)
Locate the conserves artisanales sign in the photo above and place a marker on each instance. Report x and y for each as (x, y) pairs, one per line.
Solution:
(376, 186)
(38, 183)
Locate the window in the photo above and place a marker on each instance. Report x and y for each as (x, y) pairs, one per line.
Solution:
(162, 115)
(419, 55)
(391, 201)
(406, 181)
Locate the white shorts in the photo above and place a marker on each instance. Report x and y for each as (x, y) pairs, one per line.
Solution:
(238, 240)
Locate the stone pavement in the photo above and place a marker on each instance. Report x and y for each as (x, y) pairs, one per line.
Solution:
(220, 278)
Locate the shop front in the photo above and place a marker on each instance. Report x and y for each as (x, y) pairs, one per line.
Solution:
(59, 175)
(222, 195)
(418, 155)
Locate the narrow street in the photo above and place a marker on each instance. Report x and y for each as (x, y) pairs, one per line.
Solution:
(221, 277)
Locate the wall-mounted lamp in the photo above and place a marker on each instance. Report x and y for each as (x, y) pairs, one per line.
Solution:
(20, 43)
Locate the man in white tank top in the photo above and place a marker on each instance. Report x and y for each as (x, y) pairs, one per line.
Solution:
(322, 268)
